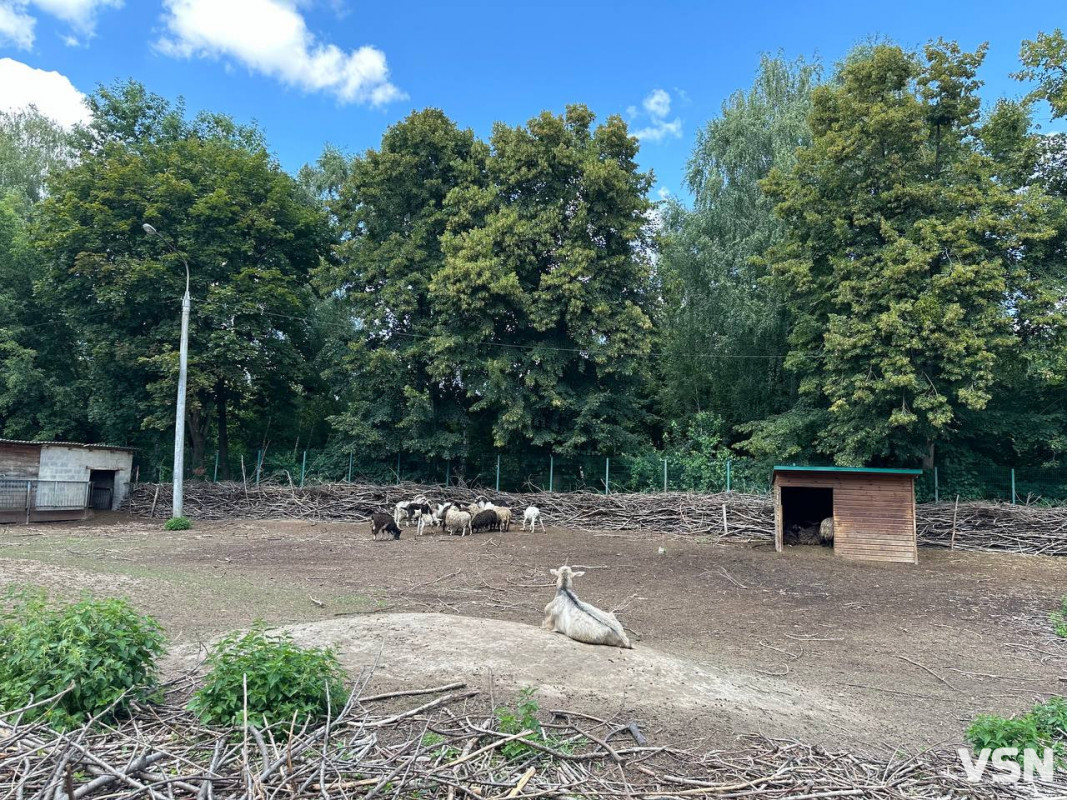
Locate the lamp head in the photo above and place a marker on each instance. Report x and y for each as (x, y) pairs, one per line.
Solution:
(150, 230)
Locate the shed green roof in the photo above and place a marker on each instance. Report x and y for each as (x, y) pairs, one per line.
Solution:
(868, 470)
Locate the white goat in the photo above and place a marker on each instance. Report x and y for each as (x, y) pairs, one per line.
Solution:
(580, 621)
(533, 516)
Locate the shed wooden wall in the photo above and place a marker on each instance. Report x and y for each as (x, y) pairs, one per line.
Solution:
(874, 515)
(19, 460)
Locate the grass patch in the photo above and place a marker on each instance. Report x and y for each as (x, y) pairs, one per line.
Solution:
(1059, 618)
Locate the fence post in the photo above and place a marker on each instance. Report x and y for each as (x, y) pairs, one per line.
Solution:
(664, 476)
(937, 494)
(398, 467)
(350, 467)
(1013, 485)
(551, 470)
(607, 475)
(448, 472)
(498, 472)
(729, 465)
(303, 468)
(259, 465)
(29, 501)
(215, 477)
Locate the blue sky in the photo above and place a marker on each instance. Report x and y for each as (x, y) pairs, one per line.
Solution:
(341, 71)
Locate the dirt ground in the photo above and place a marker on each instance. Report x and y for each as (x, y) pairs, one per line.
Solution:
(728, 639)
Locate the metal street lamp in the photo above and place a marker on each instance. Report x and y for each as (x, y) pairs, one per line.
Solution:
(183, 363)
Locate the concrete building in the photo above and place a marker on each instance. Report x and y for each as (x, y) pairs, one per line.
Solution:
(61, 480)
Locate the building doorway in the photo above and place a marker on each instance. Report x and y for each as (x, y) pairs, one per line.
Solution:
(803, 509)
(103, 489)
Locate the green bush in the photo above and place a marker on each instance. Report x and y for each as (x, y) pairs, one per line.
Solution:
(1045, 725)
(104, 648)
(523, 717)
(1059, 618)
(283, 679)
(177, 524)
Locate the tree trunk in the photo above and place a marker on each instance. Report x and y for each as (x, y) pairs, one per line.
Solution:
(928, 459)
(224, 436)
(196, 425)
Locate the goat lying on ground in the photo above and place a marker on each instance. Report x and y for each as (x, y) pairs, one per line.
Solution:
(533, 516)
(580, 621)
(383, 522)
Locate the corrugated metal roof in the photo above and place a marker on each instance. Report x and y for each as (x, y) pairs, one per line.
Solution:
(68, 444)
(874, 470)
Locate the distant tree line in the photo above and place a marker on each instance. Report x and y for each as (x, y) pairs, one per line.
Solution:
(871, 271)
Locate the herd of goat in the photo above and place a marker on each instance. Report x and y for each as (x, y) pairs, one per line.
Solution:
(566, 614)
(450, 517)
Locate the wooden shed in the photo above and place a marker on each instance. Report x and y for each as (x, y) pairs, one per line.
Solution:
(873, 510)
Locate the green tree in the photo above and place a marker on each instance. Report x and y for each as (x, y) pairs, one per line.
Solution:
(392, 215)
(543, 309)
(32, 147)
(1044, 60)
(903, 257)
(251, 237)
(725, 326)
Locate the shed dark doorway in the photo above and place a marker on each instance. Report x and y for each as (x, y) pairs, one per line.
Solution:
(802, 511)
(103, 481)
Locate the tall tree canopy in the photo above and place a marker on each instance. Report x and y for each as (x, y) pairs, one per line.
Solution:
(392, 213)
(724, 325)
(543, 309)
(903, 262)
(250, 236)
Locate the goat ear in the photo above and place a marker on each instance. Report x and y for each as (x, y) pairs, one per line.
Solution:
(554, 572)
(579, 573)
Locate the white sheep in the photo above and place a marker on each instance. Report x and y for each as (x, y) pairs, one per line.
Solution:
(533, 516)
(452, 519)
(580, 621)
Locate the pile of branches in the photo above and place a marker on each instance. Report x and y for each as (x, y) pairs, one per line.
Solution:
(747, 516)
(1033, 529)
(440, 748)
(727, 516)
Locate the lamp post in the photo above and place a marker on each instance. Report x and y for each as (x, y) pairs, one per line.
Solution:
(183, 363)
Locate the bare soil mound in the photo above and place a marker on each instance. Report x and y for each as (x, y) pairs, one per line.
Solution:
(677, 695)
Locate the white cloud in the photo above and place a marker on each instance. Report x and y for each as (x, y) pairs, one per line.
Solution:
(272, 37)
(657, 109)
(16, 26)
(16, 23)
(54, 95)
(79, 14)
(663, 193)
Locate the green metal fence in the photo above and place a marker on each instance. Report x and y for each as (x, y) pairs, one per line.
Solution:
(653, 472)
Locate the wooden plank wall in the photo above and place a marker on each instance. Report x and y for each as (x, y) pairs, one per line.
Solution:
(19, 460)
(874, 515)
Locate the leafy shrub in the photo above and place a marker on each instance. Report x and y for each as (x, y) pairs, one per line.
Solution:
(521, 718)
(1045, 725)
(103, 648)
(177, 524)
(1051, 717)
(1059, 618)
(283, 679)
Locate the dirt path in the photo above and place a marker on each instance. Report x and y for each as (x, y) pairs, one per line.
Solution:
(728, 638)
